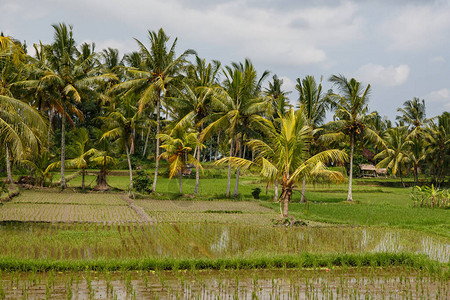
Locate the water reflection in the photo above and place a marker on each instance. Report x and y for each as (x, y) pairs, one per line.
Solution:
(214, 240)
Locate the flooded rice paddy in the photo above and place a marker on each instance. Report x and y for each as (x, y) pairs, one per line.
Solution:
(210, 240)
(362, 283)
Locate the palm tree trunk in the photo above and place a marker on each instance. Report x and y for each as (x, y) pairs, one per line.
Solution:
(302, 199)
(83, 174)
(102, 184)
(51, 113)
(130, 169)
(350, 175)
(8, 167)
(286, 199)
(236, 184)
(229, 170)
(401, 176)
(275, 196)
(180, 178)
(63, 148)
(146, 141)
(197, 172)
(217, 149)
(157, 143)
(416, 175)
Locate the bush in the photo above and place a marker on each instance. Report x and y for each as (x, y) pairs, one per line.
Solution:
(256, 192)
(142, 182)
(426, 196)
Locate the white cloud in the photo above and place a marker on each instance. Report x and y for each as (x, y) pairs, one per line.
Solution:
(441, 96)
(418, 26)
(387, 76)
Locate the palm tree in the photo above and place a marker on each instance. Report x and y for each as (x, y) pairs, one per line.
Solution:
(67, 77)
(285, 155)
(395, 156)
(278, 97)
(316, 105)
(438, 148)
(416, 156)
(413, 114)
(351, 117)
(192, 103)
(20, 124)
(179, 144)
(81, 152)
(122, 125)
(151, 78)
(237, 104)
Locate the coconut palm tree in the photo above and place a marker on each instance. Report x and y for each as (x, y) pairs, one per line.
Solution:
(81, 152)
(67, 74)
(237, 104)
(192, 101)
(413, 114)
(316, 104)
(395, 156)
(350, 118)
(179, 144)
(122, 125)
(279, 98)
(158, 66)
(284, 154)
(438, 147)
(20, 124)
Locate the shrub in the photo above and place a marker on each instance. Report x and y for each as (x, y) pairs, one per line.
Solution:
(426, 196)
(256, 192)
(142, 182)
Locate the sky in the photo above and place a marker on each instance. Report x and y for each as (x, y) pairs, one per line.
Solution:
(401, 48)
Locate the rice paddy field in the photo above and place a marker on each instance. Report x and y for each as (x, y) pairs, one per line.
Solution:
(72, 245)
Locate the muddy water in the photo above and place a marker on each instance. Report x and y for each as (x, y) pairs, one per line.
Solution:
(394, 283)
(213, 240)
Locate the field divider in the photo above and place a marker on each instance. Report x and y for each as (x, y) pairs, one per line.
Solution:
(145, 218)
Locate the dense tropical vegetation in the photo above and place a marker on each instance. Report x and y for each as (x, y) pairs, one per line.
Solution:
(153, 103)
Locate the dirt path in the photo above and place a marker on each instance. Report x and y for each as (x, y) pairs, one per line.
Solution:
(139, 211)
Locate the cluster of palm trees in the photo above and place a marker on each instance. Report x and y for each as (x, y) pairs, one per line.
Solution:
(106, 106)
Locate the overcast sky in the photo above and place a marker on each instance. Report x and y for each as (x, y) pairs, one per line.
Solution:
(402, 48)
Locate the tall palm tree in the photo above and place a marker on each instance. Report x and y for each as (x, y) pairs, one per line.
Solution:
(20, 124)
(395, 156)
(237, 104)
(416, 156)
(122, 125)
(193, 101)
(68, 76)
(284, 154)
(311, 95)
(413, 114)
(279, 98)
(158, 66)
(350, 118)
(316, 105)
(438, 148)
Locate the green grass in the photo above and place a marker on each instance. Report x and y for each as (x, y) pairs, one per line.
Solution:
(392, 207)
(304, 260)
